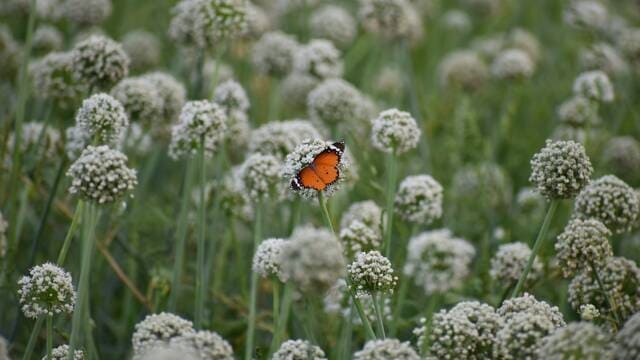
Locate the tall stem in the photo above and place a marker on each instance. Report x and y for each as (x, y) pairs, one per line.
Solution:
(283, 318)
(257, 237)
(376, 306)
(390, 192)
(325, 211)
(77, 216)
(33, 338)
(397, 310)
(363, 317)
(200, 270)
(181, 236)
(49, 337)
(276, 303)
(609, 299)
(536, 246)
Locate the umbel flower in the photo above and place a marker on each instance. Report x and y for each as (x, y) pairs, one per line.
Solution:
(621, 155)
(266, 260)
(371, 273)
(561, 169)
(53, 77)
(611, 201)
(509, 262)
(438, 261)
(207, 23)
(299, 350)
(334, 102)
(87, 13)
(260, 175)
(62, 353)
(395, 131)
(103, 118)
(140, 99)
(463, 69)
(338, 300)
(386, 349)
(99, 62)
(171, 91)
(391, 19)
(579, 340)
(367, 212)
(295, 87)
(319, 58)
(101, 175)
(36, 134)
(582, 245)
(620, 279)
(419, 199)
(231, 96)
(46, 39)
(594, 85)
(160, 328)
(279, 138)
(578, 112)
(358, 237)
(207, 345)
(312, 259)
(627, 341)
(333, 23)
(512, 64)
(201, 123)
(143, 49)
(46, 291)
(273, 54)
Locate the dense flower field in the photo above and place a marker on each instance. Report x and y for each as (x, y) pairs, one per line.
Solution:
(317, 179)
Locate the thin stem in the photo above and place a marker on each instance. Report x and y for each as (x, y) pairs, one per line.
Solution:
(325, 211)
(283, 318)
(390, 192)
(276, 302)
(181, 236)
(257, 237)
(610, 301)
(200, 270)
(33, 338)
(365, 321)
(376, 298)
(77, 216)
(397, 311)
(49, 336)
(344, 345)
(536, 246)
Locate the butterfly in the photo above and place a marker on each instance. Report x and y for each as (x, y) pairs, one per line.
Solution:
(323, 171)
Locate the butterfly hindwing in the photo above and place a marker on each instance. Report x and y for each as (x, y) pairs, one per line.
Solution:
(309, 179)
(323, 171)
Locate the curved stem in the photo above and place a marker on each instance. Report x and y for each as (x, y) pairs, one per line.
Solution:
(536, 246)
(376, 298)
(363, 317)
(257, 237)
(325, 211)
(200, 268)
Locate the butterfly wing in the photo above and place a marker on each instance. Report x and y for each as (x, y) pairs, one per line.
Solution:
(308, 178)
(323, 171)
(326, 166)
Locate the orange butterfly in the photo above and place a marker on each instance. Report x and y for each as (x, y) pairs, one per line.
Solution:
(323, 171)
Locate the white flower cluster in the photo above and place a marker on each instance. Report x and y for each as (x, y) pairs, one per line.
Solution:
(295, 87)
(206, 345)
(258, 22)
(171, 91)
(273, 54)
(99, 62)
(205, 23)
(366, 212)
(385, 350)
(594, 85)
(231, 96)
(583, 244)
(512, 64)
(457, 20)
(509, 262)
(201, 123)
(463, 69)
(579, 339)
(391, 19)
(621, 155)
(260, 176)
(358, 237)
(46, 291)
(46, 39)
(371, 273)
(302, 156)
(156, 329)
(588, 312)
(602, 56)
(611, 201)
(319, 58)
(101, 175)
(299, 350)
(312, 259)
(76, 140)
(87, 13)
(578, 112)
(560, 169)
(338, 300)
(395, 131)
(62, 353)
(143, 48)
(233, 197)
(335, 102)
(53, 77)
(620, 279)
(438, 261)
(279, 138)
(627, 341)
(419, 199)
(37, 135)
(266, 260)
(103, 118)
(140, 98)
(589, 14)
(333, 23)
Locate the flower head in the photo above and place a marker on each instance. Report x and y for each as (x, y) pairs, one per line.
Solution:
(36, 134)
(509, 262)
(319, 58)
(582, 244)
(101, 175)
(295, 87)
(560, 169)
(140, 98)
(46, 291)
(419, 199)
(463, 69)
(391, 19)
(577, 112)
(260, 175)
(46, 39)
(52, 76)
(103, 118)
(62, 353)
(579, 340)
(333, 23)
(335, 102)
(512, 64)
(171, 91)
(594, 85)
(273, 54)
(201, 123)
(386, 349)
(279, 138)
(266, 260)
(99, 62)
(298, 350)
(143, 48)
(358, 237)
(231, 96)
(621, 155)
(627, 341)
(589, 312)
(87, 13)
(207, 345)
(366, 212)
(395, 131)
(371, 273)
(160, 328)
(602, 56)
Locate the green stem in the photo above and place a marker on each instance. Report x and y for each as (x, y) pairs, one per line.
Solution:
(344, 345)
(390, 192)
(77, 216)
(609, 299)
(276, 302)
(397, 311)
(536, 246)
(200, 270)
(376, 298)
(49, 336)
(295, 215)
(257, 237)
(33, 338)
(365, 321)
(274, 100)
(325, 211)
(181, 237)
(283, 318)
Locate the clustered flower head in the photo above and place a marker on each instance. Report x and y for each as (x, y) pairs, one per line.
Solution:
(299, 350)
(627, 340)
(231, 96)
(333, 23)
(312, 259)
(467, 331)
(588, 312)
(526, 322)
(395, 131)
(602, 56)
(53, 78)
(258, 22)
(419, 199)
(611, 201)
(46, 291)
(273, 53)
(36, 134)
(620, 279)
(512, 64)
(319, 59)
(391, 19)
(87, 13)
(302, 156)
(143, 49)
(233, 197)
(62, 353)
(561, 169)
(358, 237)
(171, 91)
(621, 155)
(594, 85)
(266, 260)
(463, 69)
(76, 140)
(99, 62)
(160, 328)
(386, 349)
(579, 340)
(201, 123)
(205, 345)
(438, 261)
(101, 175)
(279, 138)
(578, 111)
(206, 23)
(335, 102)
(509, 262)
(260, 175)
(103, 118)
(140, 98)
(366, 212)
(586, 14)
(46, 39)
(295, 87)
(338, 300)
(371, 273)
(582, 244)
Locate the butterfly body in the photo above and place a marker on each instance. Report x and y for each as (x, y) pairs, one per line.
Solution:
(323, 171)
